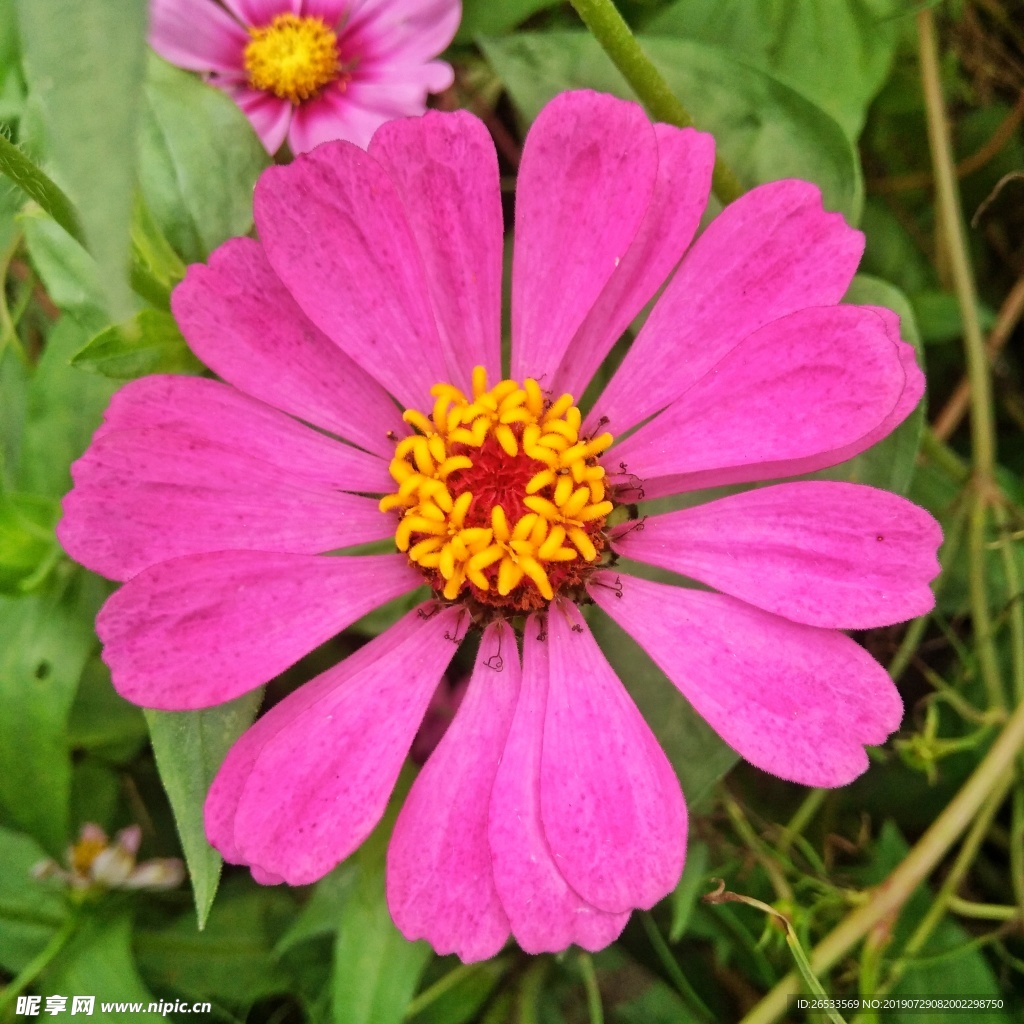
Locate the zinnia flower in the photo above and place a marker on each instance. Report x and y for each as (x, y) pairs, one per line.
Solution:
(548, 810)
(312, 70)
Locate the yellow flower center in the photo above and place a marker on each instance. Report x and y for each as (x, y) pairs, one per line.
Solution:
(293, 57)
(84, 852)
(499, 498)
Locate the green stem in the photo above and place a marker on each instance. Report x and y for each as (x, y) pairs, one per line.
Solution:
(944, 457)
(916, 630)
(8, 324)
(981, 615)
(950, 217)
(38, 963)
(439, 988)
(947, 893)
(1017, 847)
(1015, 595)
(530, 989)
(617, 40)
(887, 898)
(908, 646)
(801, 819)
(672, 968)
(594, 1007)
(780, 884)
(983, 911)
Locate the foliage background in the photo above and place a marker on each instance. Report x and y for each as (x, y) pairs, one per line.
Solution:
(159, 170)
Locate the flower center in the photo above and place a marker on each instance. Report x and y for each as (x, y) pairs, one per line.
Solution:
(84, 852)
(293, 57)
(499, 499)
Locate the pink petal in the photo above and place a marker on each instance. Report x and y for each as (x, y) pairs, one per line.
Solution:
(440, 881)
(398, 91)
(259, 12)
(355, 109)
(335, 232)
(198, 35)
(829, 554)
(586, 180)
(446, 172)
(265, 877)
(333, 115)
(404, 31)
(912, 393)
(685, 161)
(545, 914)
(207, 410)
(805, 392)
(171, 494)
(770, 253)
(242, 322)
(337, 115)
(269, 114)
(307, 784)
(331, 11)
(197, 631)
(610, 802)
(794, 700)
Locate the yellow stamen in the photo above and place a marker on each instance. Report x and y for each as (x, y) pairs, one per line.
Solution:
(462, 543)
(293, 57)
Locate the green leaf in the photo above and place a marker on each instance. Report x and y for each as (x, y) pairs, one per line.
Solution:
(948, 963)
(12, 84)
(14, 377)
(486, 18)
(458, 996)
(96, 790)
(28, 546)
(322, 910)
(938, 316)
(69, 274)
(659, 1004)
(98, 961)
(891, 253)
(103, 722)
(156, 267)
(198, 161)
(88, 75)
(376, 970)
(45, 640)
(65, 407)
(838, 57)
(36, 185)
(690, 888)
(764, 129)
(890, 463)
(72, 277)
(30, 910)
(231, 961)
(148, 343)
(699, 757)
(189, 747)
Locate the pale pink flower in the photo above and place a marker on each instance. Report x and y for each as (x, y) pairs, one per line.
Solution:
(310, 71)
(548, 810)
(94, 863)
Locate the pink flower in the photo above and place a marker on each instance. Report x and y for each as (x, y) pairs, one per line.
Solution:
(310, 71)
(548, 810)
